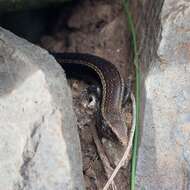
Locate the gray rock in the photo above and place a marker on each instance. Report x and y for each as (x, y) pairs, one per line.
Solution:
(39, 144)
(164, 153)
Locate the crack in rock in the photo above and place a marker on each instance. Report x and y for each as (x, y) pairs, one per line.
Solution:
(30, 150)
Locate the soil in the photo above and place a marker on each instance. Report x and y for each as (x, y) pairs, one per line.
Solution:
(97, 27)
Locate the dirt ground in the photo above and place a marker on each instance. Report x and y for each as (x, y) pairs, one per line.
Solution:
(97, 27)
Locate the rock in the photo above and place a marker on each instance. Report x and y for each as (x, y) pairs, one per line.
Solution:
(164, 156)
(39, 144)
(112, 44)
(95, 12)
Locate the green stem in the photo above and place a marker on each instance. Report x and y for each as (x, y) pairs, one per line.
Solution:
(137, 94)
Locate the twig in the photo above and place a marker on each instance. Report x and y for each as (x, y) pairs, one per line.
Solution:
(126, 155)
(103, 157)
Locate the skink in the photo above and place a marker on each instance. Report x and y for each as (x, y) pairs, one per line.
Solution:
(112, 85)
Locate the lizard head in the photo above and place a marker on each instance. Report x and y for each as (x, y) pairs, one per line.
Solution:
(118, 128)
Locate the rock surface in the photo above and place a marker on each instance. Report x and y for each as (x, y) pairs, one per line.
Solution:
(39, 144)
(164, 153)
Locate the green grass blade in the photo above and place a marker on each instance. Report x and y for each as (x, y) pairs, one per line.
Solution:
(137, 94)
